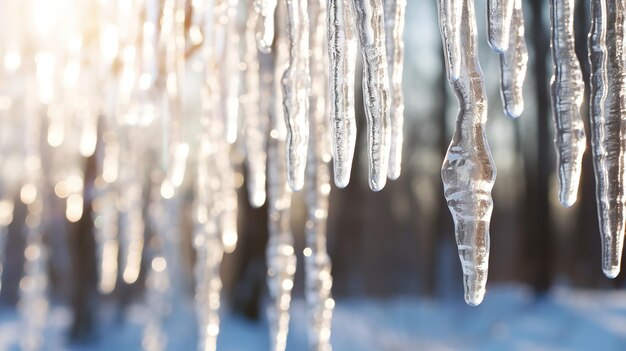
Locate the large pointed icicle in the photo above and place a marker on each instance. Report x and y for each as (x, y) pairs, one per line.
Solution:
(281, 259)
(342, 51)
(566, 90)
(608, 124)
(265, 38)
(468, 171)
(296, 86)
(394, 23)
(499, 25)
(513, 65)
(256, 122)
(371, 29)
(318, 280)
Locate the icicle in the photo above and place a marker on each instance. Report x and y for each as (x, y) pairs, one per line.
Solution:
(157, 283)
(468, 171)
(209, 251)
(163, 274)
(450, 26)
(227, 49)
(256, 123)
(89, 133)
(107, 245)
(6, 217)
(296, 87)
(33, 302)
(567, 90)
(371, 28)
(342, 50)
(226, 197)
(106, 215)
(394, 23)
(513, 65)
(131, 206)
(318, 281)
(281, 259)
(132, 231)
(177, 149)
(499, 23)
(207, 240)
(608, 141)
(265, 8)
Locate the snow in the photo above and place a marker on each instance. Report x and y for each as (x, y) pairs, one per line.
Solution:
(510, 318)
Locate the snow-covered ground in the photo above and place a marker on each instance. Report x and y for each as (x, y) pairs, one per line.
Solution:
(509, 319)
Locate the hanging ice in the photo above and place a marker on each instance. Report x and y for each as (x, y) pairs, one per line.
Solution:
(173, 35)
(208, 241)
(318, 280)
(567, 90)
(131, 205)
(106, 237)
(468, 171)
(226, 43)
(281, 259)
(296, 86)
(256, 121)
(265, 38)
(394, 23)
(342, 49)
(371, 29)
(608, 111)
(513, 64)
(33, 302)
(209, 249)
(450, 26)
(370, 25)
(6, 217)
(499, 24)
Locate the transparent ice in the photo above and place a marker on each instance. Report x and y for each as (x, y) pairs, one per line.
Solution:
(608, 137)
(468, 170)
(567, 93)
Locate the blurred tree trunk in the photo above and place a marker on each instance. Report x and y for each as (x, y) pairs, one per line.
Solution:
(539, 245)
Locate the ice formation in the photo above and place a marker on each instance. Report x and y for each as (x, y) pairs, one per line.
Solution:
(394, 30)
(567, 92)
(296, 85)
(607, 111)
(513, 64)
(342, 51)
(318, 280)
(468, 170)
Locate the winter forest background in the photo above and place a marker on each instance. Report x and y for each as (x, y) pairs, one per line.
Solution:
(396, 275)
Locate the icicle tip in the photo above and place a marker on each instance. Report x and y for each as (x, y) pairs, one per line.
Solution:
(474, 297)
(377, 184)
(257, 200)
(514, 111)
(296, 183)
(611, 272)
(567, 198)
(342, 177)
(394, 173)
